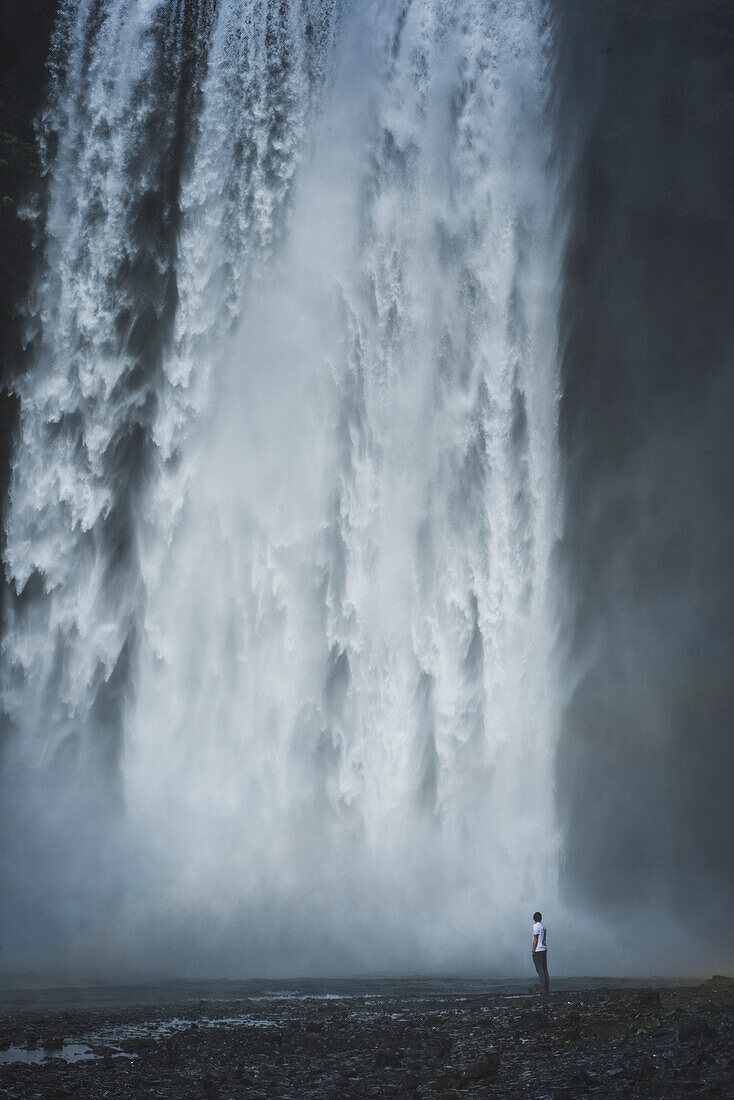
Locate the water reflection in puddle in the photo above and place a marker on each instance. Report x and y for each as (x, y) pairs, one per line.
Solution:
(166, 1028)
(69, 1052)
(109, 1038)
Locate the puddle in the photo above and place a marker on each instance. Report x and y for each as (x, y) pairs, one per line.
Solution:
(105, 1042)
(69, 1052)
(66, 1052)
(166, 1028)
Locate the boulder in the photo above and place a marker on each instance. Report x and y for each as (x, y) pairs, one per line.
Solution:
(482, 1069)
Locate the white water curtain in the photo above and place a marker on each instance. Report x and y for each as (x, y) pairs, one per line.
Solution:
(285, 497)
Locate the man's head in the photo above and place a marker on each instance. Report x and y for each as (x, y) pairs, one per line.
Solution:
(537, 917)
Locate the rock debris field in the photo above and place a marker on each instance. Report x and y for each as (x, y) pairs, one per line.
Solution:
(653, 1042)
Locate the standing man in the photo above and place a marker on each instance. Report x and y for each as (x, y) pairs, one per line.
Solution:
(540, 951)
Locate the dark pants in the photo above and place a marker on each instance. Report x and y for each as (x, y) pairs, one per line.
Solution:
(540, 958)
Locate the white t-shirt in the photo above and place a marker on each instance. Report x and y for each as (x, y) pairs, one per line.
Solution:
(539, 931)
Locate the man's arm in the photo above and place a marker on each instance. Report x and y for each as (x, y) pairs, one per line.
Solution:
(535, 942)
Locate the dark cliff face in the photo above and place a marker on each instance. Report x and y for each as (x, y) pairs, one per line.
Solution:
(25, 30)
(647, 754)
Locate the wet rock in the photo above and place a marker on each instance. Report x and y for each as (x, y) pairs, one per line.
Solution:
(719, 981)
(649, 1000)
(580, 1079)
(694, 1028)
(385, 1059)
(482, 1069)
(605, 1027)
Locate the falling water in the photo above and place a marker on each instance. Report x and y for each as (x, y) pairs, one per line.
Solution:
(279, 670)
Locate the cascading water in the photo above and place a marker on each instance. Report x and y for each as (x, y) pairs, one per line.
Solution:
(279, 669)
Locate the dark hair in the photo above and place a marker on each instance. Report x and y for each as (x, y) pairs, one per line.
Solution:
(537, 916)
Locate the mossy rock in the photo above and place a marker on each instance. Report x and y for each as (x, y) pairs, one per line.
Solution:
(606, 1028)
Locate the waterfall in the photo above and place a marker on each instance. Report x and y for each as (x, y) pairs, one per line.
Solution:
(279, 671)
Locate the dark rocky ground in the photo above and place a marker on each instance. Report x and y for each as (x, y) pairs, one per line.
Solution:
(669, 1042)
